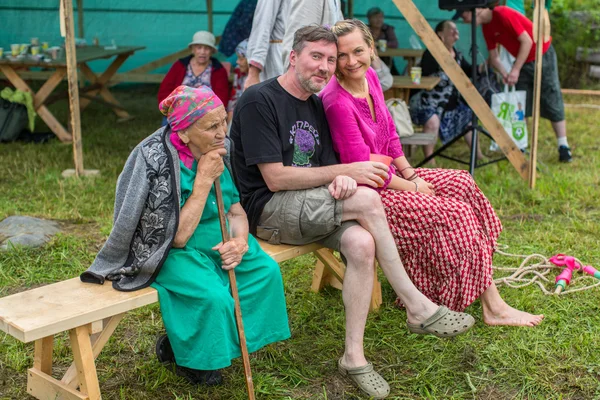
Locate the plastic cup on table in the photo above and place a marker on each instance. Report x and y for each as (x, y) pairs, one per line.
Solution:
(382, 159)
(382, 44)
(35, 41)
(415, 75)
(35, 50)
(45, 46)
(15, 49)
(1, 52)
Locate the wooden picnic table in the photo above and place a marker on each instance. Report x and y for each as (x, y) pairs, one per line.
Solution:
(403, 84)
(98, 82)
(410, 55)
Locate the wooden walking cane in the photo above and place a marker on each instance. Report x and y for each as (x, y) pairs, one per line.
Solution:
(234, 293)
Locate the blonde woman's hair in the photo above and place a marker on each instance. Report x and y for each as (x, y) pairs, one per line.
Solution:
(347, 26)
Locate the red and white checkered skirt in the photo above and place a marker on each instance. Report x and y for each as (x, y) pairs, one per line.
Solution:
(446, 241)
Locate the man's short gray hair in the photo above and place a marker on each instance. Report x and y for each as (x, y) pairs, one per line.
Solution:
(312, 33)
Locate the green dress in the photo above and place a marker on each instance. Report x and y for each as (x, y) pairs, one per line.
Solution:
(194, 292)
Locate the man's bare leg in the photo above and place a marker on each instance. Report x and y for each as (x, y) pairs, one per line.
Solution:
(358, 247)
(365, 207)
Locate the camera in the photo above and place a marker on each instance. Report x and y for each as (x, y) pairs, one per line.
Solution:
(466, 4)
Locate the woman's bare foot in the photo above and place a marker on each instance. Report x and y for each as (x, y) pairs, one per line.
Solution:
(510, 317)
(497, 312)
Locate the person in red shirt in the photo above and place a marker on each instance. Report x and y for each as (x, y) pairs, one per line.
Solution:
(198, 69)
(511, 29)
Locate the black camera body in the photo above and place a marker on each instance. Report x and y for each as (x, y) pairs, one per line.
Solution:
(465, 4)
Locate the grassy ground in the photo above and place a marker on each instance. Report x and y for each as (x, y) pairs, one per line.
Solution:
(558, 360)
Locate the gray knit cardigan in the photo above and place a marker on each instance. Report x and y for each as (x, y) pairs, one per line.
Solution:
(146, 216)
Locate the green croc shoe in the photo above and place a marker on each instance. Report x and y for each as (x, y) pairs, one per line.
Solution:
(443, 323)
(367, 380)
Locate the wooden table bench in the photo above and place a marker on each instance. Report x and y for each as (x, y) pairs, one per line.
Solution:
(410, 55)
(98, 84)
(90, 313)
(402, 85)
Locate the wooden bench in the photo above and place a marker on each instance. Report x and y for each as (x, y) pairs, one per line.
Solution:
(90, 313)
(419, 138)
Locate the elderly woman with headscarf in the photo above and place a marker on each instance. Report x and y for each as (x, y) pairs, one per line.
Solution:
(198, 69)
(240, 73)
(166, 234)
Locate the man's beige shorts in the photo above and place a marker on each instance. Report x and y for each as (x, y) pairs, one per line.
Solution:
(303, 216)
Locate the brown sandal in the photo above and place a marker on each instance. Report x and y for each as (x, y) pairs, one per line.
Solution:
(367, 380)
(443, 323)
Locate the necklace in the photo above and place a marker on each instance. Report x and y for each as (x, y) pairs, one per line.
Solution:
(361, 93)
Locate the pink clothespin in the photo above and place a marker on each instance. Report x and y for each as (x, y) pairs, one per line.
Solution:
(564, 278)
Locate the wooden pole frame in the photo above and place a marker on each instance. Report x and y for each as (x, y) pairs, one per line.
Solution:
(420, 25)
(539, 35)
(67, 6)
(209, 14)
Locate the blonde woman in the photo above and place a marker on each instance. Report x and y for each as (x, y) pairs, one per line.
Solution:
(443, 225)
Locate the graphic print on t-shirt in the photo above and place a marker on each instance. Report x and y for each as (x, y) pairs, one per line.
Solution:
(305, 138)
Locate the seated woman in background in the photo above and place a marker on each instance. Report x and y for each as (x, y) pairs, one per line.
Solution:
(441, 110)
(240, 73)
(382, 31)
(443, 225)
(198, 69)
(166, 234)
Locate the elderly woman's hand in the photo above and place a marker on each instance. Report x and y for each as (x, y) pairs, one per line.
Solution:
(210, 167)
(232, 252)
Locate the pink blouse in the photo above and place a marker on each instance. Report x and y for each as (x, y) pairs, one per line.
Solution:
(355, 135)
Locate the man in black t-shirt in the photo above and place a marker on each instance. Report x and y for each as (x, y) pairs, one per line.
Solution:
(295, 192)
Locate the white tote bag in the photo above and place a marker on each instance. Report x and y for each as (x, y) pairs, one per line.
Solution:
(401, 117)
(509, 109)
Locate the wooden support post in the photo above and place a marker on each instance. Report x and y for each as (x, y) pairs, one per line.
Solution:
(464, 85)
(537, 83)
(209, 14)
(42, 355)
(67, 6)
(80, 18)
(83, 357)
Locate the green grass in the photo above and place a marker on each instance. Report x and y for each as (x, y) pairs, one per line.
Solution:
(558, 360)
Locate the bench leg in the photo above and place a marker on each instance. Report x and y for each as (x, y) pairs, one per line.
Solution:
(42, 356)
(40, 383)
(83, 356)
(376, 298)
(330, 271)
(87, 345)
(98, 342)
(45, 387)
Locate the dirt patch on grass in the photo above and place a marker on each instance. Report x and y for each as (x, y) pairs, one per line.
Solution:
(89, 231)
(491, 392)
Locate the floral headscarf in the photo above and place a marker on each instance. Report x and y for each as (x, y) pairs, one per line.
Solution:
(242, 48)
(186, 105)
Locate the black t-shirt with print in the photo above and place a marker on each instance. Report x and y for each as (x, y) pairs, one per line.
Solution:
(269, 126)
